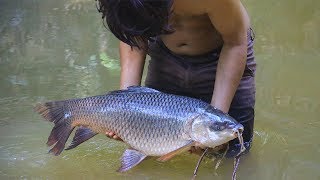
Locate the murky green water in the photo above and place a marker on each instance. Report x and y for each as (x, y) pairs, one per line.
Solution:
(52, 50)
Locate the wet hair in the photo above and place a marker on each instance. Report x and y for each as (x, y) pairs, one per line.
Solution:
(135, 21)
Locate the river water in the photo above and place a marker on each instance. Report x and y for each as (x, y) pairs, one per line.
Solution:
(52, 50)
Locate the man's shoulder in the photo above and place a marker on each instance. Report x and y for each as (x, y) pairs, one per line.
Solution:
(188, 7)
(201, 7)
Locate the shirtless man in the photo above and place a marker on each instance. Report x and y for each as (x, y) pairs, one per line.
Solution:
(198, 48)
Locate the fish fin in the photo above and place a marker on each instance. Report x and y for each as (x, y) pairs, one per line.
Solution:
(51, 111)
(82, 134)
(130, 158)
(171, 154)
(141, 89)
(55, 112)
(136, 89)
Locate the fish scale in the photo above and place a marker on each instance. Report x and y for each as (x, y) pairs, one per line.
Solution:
(165, 121)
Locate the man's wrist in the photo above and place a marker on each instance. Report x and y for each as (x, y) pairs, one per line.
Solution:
(220, 107)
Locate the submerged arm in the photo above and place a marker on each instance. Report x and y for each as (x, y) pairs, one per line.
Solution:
(231, 20)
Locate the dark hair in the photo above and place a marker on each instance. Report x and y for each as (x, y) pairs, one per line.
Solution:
(133, 21)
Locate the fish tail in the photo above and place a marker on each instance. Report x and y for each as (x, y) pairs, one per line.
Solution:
(56, 112)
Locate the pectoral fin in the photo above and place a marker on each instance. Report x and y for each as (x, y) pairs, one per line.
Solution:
(82, 134)
(130, 158)
(182, 149)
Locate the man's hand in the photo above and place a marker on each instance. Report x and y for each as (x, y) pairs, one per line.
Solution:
(113, 135)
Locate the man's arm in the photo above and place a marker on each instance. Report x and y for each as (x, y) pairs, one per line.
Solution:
(231, 20)
(132, 63)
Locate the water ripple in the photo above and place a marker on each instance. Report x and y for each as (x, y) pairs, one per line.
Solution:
(17, 18)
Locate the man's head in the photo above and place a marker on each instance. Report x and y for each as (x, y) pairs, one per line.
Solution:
(133, 21)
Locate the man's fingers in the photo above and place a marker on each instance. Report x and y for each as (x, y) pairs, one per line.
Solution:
(117, 138)
(113, 135)
(196, 150)
(110, 134)
(192, 149)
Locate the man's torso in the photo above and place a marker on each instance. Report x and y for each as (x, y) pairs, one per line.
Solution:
(194, 33)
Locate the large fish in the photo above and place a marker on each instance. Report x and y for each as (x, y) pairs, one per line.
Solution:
(152, 123)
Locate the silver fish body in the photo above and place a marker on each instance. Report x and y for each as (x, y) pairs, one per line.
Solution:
(152, 123)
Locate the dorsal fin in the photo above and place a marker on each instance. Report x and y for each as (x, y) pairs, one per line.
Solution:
(135, 89)
(141, 89)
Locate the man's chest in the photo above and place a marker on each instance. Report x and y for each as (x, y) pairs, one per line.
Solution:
(187, 13)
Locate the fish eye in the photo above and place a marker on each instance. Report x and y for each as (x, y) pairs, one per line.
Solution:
(217, 127)
(214, 127)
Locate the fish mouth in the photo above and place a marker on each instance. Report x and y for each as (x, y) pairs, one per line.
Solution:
(237, 130)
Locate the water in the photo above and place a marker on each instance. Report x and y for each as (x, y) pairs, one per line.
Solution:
(52, 50)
